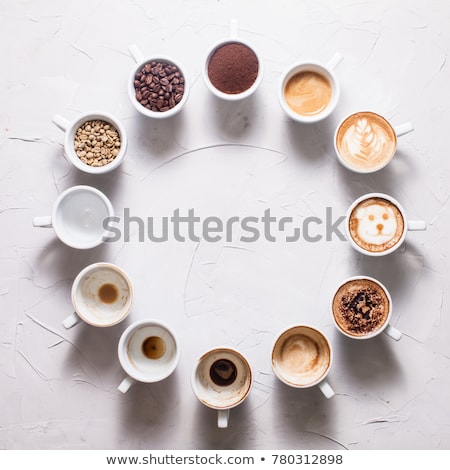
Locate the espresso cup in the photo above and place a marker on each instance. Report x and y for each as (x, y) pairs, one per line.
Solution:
(302, 357)
(213, 79)
(309, 90)
(366, 142)
(148, 352)
(102, 295)
(362, 308)
(77, 217)
(142, 61)
(70, 129)
(376, 224)
(222, 379)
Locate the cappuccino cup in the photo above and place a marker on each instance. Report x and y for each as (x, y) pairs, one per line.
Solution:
(376, 224)
(102, 295)
(77, 217)
(70, 130)
(309, 90)
(302, 357)
(222, 379)
(362, 309)
(148, 352)
(366, 142)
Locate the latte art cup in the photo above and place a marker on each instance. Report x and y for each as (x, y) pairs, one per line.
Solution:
(385, 327)
(302, 357)
(102, 296)
(222, 379)
(378, 228)
(366, 142)
(325, 71)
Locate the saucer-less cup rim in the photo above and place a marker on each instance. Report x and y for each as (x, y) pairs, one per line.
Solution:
(79, 314)
(321, 381)
(133, 374)
(51, 221)
(386, 327)
(141, 60)
(397, 131)
(322, 68)
(70, 127)
(411, 225)
(232, 96)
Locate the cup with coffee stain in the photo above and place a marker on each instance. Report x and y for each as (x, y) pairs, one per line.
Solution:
(222, 379)
(148, 352)
(362, 309)
(376, 224)
(309, 90)
(233, 69)
(302, 357)
(102, 295)
(366, 142)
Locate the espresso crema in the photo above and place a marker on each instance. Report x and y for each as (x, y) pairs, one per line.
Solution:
(376, 224)
(366, 142)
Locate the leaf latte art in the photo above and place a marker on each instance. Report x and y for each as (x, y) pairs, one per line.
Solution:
(365, 141)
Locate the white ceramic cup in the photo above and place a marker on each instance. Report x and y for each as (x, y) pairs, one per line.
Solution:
(398, 131)
(221, 396)
(102, 295)
(324, 69)
(294, 349)
(409, 225)
(77, 217)
(141, 60)
(70, 128)
(163, 354)
(386, 328)
(233, 38)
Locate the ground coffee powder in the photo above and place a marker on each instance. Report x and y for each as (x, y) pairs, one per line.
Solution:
(233, 68)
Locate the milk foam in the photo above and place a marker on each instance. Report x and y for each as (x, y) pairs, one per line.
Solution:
(377, 224)
(365, 144)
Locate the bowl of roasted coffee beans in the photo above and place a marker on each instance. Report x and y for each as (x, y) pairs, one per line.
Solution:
(95, 142)
(157, 86)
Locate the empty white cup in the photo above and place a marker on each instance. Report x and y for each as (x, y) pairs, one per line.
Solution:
(77, 217)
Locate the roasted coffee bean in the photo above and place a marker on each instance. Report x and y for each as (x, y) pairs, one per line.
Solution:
(159, 86)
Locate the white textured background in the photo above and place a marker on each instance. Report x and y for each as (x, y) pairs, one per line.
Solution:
(58, 388)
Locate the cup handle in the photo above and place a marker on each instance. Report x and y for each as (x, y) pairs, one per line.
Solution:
(335, 60)
(43, 221)
(136, 53)
(326, 389)
(393, 332)
(71, 321)
(223, 417)
(403, 129)
(61, 122)
(234, 28)
(415, 225)
(126, 383)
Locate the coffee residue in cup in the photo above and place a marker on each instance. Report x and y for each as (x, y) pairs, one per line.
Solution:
(360, 307)
(233, 68)
(159, 86)
(97, 143)
(223, 372)
(154, 347)
(108, 293)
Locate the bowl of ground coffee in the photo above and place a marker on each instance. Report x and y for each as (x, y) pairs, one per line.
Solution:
(232, 69)
(157, 85)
